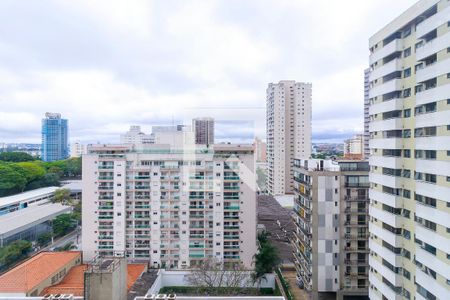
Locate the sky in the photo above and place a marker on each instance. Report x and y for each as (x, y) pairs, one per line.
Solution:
(106, 65)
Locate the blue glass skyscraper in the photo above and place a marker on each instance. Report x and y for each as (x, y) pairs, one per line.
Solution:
(54, 137)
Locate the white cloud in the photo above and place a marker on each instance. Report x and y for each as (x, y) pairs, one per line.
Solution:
(108, 64)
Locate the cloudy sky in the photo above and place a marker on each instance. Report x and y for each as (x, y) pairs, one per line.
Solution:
(108, 64)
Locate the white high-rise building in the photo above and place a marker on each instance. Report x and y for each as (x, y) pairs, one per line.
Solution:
(410, 155)
(171, 207)
(288, 132)
(354, 147)
(77, 149)
(366, 114)
(136, 137)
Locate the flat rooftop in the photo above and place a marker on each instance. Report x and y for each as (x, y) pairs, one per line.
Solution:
(27, 195)
(73, 282)
(32, 272)
(24, 218)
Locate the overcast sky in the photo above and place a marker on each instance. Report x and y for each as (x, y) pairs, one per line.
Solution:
(108, 64)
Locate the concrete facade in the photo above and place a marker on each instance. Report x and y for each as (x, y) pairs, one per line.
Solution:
(288, 126)
(330, 241)
(172, 207)
(410, 158)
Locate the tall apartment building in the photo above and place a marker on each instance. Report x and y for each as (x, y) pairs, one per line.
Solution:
(77, 149)
(410, 155)
(366, 114)
(260, 149)
(171, 207)
(135, 136)
(354, 147)
(288, 128)
(55, 142)
(331, 239)
(203, 130)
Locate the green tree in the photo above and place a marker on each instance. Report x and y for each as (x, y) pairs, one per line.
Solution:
(11, 180)
(14, 252)
(31, 170)
(44, 239)
(66, 247)
(266, 259)
(62, 196)
(16, 156)
(261, 176)
(63, 224)
(55, 170)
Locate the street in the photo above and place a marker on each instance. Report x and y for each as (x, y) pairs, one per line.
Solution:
(61, 242)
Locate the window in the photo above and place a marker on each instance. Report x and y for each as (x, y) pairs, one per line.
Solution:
(407, 153)
(407, 133)
(407, 194)
(407, 73)
(407, 113)
(407, 51)
(406, 93)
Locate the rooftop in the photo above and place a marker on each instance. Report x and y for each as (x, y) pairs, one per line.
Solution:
(27, 195)
(73, 282)
(15, 221)
(32, 272)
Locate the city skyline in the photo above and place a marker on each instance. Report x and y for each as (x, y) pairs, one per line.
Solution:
(102, 79)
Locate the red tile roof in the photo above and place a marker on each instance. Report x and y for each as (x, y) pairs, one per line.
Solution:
(32, 272)
(73, 283)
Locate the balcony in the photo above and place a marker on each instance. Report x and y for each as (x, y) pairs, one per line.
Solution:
(388, 124)
(390, 181)
(394, 46)
(231, 237)
(390, 67)
(105, 247)
(386, 143)
(233, 207)
(388, 199)
(105, 188)
(385, 106)
(394, 278)
(433, 46)
(431, 71)
(386, 290)
(231, 177)
(391, 257)
(387, 162)
(432, 22)
(386, 217)
(438, 118)
(393, 239)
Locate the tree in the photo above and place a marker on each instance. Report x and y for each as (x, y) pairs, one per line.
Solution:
(261, 178)
(62, 196)
(14, 252)
(63, 224)
(211, 275)
(11, 180)
(266, 259)
(66, 247)
(31, 170)
(44, 239)
(16, 156)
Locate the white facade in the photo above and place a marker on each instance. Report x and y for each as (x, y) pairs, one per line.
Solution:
(77, 149)
(135, 136)
(288, 125)
(410, 155)
(172, 207)
(355, 145)
(366, 114)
